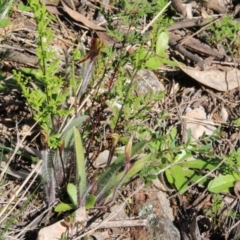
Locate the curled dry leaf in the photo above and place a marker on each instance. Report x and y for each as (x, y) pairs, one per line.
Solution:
(80, 18)
(216, 79)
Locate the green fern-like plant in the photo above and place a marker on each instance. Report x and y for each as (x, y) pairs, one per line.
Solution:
(43, 88)
(44, 92)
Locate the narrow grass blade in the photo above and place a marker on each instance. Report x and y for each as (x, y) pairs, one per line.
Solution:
(108, 179)
(137, 167)
(80, 160)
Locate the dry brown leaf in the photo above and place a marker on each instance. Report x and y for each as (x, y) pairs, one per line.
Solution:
(80, 18)
(196, 120)
(216, 79)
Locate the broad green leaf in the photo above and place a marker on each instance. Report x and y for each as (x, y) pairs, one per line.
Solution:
(221, 183)
(90, 201)
(162, 43)
(169, 176)
(198, 164)
(194, 177)
(72, 193)
(180, 180)
(62, 207)
(80, 160)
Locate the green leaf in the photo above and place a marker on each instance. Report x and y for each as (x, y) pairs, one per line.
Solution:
(183, 155)
(194, 177)
(153, 63)
(72, 193)
(4, 8)
(5, 22)
(198, 164)
(169, 176)
(162, 43)
(90, 201)
(62, 207)
(180, 180)
(32, 72)
(24, 8)
(137, 167)
(221, 183)
(80, 160)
